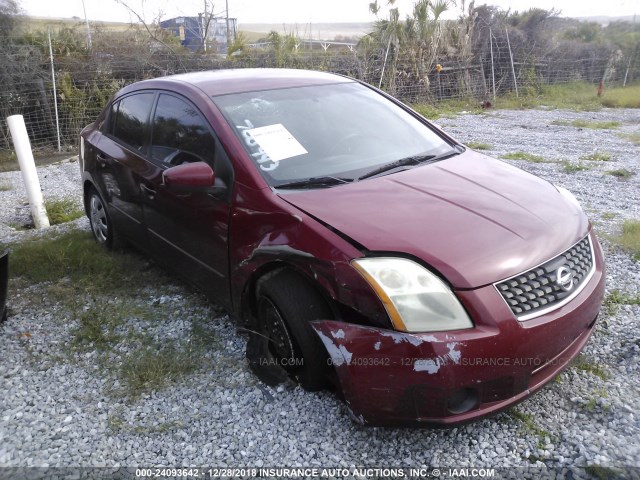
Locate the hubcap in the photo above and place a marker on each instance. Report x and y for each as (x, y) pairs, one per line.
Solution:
(280, 343)
(98, 218)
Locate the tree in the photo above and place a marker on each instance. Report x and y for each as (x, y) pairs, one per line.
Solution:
(585, 32)
(9, 10)
(418, 38)
(154, 31)
(239, 46)
(626, 37)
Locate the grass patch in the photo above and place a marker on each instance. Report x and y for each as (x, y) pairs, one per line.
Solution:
(529, 425)
(22, 227)
(630, 238)
(479, 145)
(627, 97)
(8, 161)
(448, 108)
(615, 298)
(96, 329)
(62, 211)
(596, 157)
(587, 124)
(586, 364)
(577, 96)
(573, 96)
(153, 367)
(569, 167)
(529, 157)
(102, 295)
(621, 173)
(632, 137)
(602, 473)
(98, 324)
(74, 255)
(5, 187)
(593, 405)
(76, 263)
(609, 215)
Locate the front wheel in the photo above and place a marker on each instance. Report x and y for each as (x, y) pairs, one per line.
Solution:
(286, 303)
(101, 225)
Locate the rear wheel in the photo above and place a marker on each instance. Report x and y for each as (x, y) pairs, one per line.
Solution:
(101, 225)
(286, 303)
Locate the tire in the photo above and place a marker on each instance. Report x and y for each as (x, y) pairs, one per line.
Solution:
(286, 303)
(101, 226)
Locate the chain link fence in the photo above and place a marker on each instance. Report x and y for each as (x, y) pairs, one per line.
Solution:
(59, 85)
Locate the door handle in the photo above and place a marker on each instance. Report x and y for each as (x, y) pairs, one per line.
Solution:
(101, 159)
(148, 191)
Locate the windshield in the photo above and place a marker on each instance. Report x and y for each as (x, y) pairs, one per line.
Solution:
(340, 131)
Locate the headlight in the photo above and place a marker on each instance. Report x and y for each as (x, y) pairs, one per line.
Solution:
(569, 196)
(415, 299)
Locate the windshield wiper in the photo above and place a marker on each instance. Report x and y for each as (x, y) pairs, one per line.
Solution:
(325, 181)
(408, 161)
(403, 162)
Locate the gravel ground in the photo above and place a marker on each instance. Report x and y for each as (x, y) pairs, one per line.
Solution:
(66, 411)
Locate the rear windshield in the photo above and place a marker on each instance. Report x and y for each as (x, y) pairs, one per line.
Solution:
(343, 130)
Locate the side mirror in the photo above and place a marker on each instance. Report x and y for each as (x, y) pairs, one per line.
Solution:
(189, 177)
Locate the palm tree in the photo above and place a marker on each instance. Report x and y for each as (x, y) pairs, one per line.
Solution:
(388, 34)
(418, 37)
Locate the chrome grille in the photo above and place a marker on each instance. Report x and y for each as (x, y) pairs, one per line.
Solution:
(547, 286)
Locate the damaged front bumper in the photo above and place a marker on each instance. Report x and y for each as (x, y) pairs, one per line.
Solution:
(396, 378)
(391, 378)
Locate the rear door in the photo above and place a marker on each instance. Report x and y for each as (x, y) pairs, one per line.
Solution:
(188, 231)
(120, 162)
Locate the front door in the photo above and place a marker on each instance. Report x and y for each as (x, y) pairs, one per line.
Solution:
(188, 231)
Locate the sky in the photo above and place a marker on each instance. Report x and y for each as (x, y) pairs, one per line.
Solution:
(296, 11)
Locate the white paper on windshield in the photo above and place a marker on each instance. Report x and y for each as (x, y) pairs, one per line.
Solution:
(277, 142)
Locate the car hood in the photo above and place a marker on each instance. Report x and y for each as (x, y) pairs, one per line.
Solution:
(474, 219)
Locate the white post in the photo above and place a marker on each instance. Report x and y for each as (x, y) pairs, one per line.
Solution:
(28, 168)
(626, 73)
(55, 95)
(513, 70)
(86, 21)
(493, 73)
(385, 63)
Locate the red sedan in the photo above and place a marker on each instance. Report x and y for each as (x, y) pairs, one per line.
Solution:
(360, 246)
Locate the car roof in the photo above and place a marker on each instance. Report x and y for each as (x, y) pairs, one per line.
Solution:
(223, 82)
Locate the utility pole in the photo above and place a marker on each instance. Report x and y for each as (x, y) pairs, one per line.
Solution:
(202, 28)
